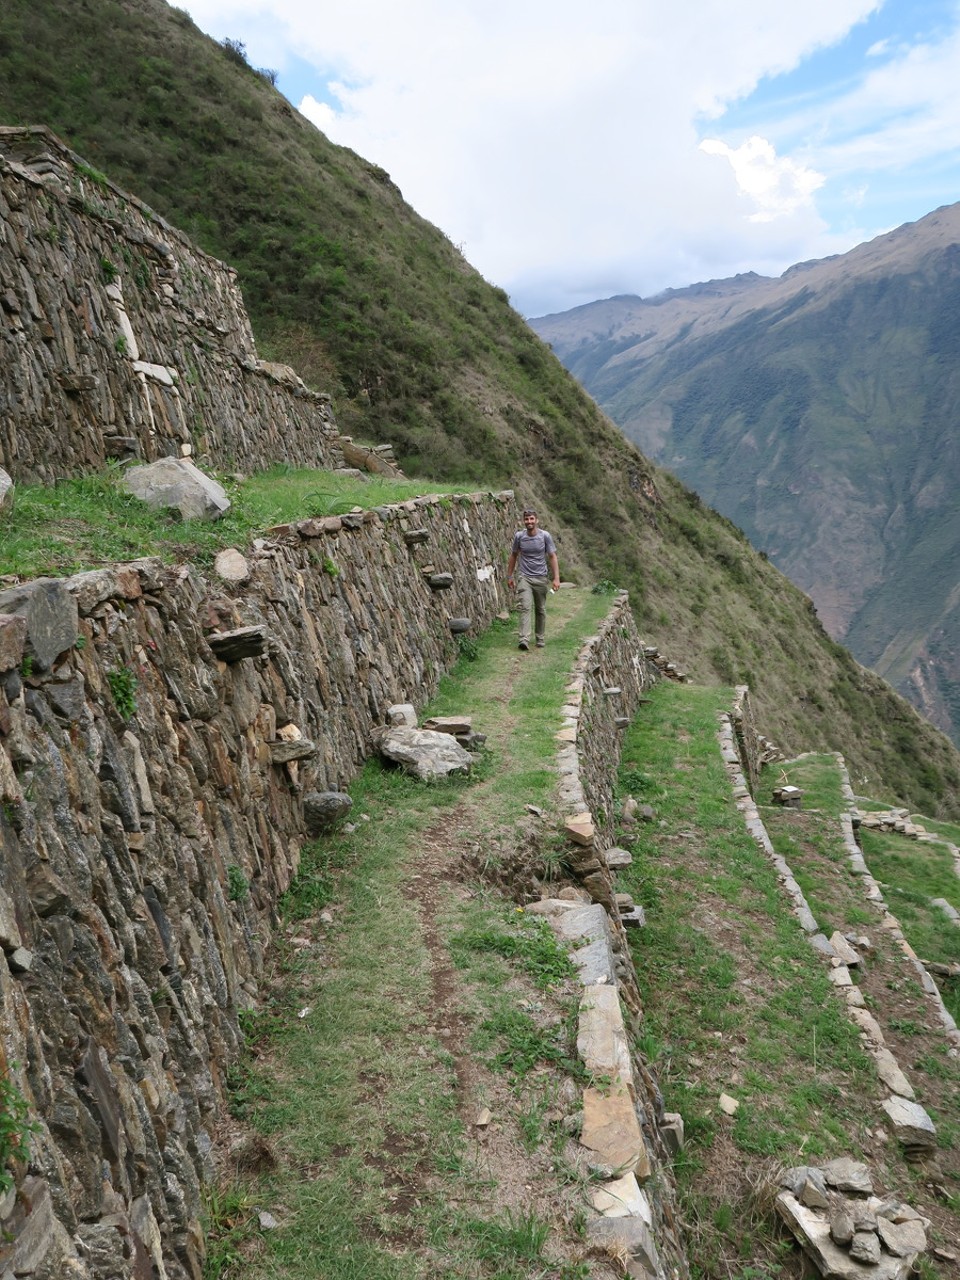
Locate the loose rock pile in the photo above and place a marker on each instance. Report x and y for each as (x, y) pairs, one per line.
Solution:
(847, 1231)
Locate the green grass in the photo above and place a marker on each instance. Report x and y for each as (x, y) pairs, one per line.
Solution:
(90, 521)
(910, 874)
(817, 776)
(529, 940)
(734, 997)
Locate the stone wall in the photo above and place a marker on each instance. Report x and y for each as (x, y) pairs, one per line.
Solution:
(119, 338)
(143, 857)
(631, 1139)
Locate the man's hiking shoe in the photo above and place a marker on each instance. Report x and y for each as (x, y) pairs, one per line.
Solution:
(541, 643)
(523, 645)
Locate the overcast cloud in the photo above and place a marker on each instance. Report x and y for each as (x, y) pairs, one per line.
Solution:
(578, 150)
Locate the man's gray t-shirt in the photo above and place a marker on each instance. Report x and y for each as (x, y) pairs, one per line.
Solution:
(533, 552)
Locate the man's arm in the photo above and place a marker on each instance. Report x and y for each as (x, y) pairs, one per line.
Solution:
(511, 565)
(554, 564)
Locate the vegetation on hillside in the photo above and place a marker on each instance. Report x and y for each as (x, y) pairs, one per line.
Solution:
(368, 301)
(822, 422)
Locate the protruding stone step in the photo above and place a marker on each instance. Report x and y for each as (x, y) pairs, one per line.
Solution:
(244, 642)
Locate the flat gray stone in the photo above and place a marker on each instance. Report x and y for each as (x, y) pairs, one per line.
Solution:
(844, 1174)
(618, 858)
(602, 1044)
(911, 1124)
(424, 753)
(177, 483)
(843, 949)
(889, 1072)
(243, 642)
(902, 1239)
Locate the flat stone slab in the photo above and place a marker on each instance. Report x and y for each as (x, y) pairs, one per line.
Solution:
(844, 1174)
(618, 858)
(888, 1069)
(842, 947)
(611, 1130)
(622, 1198)
(602, 1037)
(242, 642)
(449, 724)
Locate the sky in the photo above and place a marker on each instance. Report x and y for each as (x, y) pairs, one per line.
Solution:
(576, 150)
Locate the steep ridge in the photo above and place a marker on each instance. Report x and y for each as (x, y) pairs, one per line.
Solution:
(369, 303)
(816, 412)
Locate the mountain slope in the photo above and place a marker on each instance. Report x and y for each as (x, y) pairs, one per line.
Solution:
(370, 302)
(817, 412)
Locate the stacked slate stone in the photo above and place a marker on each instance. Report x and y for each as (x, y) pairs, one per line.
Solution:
(846, 1230)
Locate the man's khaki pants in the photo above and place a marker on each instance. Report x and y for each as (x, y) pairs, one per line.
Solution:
(532, 594)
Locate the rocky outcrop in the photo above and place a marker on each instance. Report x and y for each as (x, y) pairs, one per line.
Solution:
(164, 739)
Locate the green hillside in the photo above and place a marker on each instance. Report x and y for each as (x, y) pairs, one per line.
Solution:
(371, 303)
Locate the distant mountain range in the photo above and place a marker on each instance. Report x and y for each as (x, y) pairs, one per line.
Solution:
(820, 412)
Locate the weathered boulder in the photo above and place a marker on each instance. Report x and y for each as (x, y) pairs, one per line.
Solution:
(6, 493)
(178, 483)
(912, 1126)
(423, 752)
(324, 809)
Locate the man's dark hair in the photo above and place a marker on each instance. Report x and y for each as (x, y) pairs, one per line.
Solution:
(529, 511)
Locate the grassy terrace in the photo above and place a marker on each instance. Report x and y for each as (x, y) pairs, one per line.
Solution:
(909, 874)
(90, 521)
(736, 1000)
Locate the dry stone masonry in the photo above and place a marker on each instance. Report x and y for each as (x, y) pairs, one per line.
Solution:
(629, 1139)
(165, 741)
(120, 339)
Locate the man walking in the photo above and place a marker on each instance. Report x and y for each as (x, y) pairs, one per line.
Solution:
(535, 550)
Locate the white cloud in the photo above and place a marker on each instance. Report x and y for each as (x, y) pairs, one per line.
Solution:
(777, 186)
(560, 143)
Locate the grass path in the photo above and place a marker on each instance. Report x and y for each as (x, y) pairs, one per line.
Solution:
(408, 999)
